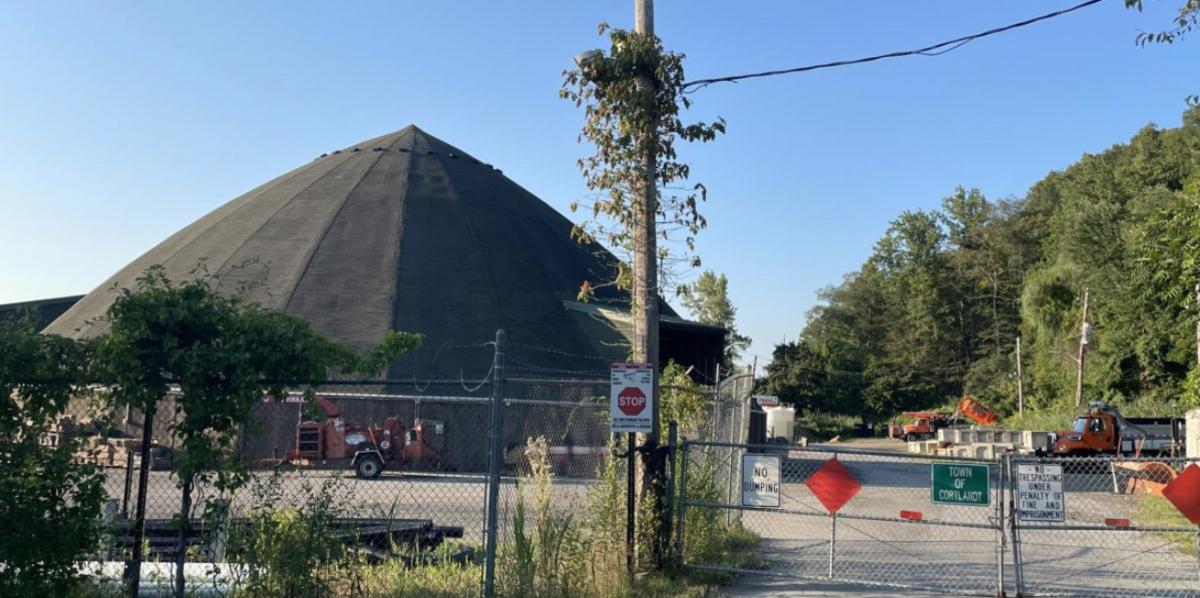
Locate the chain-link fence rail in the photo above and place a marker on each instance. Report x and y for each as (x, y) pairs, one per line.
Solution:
(405, 469)
(1099, 526)
(393, 467)
(890, 527)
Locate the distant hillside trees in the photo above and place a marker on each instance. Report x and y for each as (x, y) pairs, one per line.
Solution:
(936, 309)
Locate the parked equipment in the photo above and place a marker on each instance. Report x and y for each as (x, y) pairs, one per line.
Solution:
(925, 425)
(1103, 431)
(370, 448)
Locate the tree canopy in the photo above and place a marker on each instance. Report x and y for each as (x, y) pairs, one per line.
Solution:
(708, 300)
(935, 311)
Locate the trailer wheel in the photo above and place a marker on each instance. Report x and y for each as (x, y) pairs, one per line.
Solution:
(369, 467)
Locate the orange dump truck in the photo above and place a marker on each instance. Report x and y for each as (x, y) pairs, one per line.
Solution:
(925, 425)
(1103, 431)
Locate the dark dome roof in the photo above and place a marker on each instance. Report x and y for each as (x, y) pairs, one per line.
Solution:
(401, 232)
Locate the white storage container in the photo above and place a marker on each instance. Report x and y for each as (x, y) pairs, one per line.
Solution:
(781, 422)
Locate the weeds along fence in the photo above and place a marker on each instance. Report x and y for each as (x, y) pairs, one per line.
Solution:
(429, 490)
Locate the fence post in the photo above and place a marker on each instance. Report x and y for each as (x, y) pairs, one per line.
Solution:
(1014, 527)
(832, 542)
(1000, 500)
(220, 536)
(630, 502)
(133, 567)
(129, 459)
(682, 507)
(109, 523)
(668, 515)
(494, 456)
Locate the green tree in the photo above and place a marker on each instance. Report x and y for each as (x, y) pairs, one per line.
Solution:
(51, 504)
(1185, 21)
(212, 352)
(798, 376)
(708, 300)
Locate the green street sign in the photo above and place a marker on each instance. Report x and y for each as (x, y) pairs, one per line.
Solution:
(958, 484)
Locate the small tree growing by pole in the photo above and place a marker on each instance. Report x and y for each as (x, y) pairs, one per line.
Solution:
(632, 99)
(212, 352)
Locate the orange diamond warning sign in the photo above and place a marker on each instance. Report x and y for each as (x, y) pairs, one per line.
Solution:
(1184, 493)
(833, 485)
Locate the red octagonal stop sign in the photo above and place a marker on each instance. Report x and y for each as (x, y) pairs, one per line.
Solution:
(1184, 493)
(631, 401)
(833, 485)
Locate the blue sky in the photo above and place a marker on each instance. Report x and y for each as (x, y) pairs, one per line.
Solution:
(121, 122)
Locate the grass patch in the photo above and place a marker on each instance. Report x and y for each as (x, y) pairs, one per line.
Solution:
(1049, 419)
(820, 427)
(1159, 512)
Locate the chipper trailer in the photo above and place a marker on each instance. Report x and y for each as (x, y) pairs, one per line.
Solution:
(369, 449)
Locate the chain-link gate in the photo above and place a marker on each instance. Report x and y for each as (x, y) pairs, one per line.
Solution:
(892, 532)
(1093, 526)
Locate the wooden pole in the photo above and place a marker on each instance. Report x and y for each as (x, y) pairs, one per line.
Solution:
(645, 283)
(1083, 341)
(645, 280)
(1020, 382)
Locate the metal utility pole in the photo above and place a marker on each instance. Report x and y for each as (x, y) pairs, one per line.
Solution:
(1084, 332)
(1020, 382)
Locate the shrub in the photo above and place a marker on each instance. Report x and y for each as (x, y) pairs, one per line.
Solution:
(50, 505)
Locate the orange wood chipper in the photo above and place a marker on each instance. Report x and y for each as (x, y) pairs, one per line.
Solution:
(369, 448)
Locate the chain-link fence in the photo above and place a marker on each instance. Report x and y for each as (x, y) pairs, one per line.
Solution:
(854, 516)
(1092, 526)
(395, 467)
(1031, 526)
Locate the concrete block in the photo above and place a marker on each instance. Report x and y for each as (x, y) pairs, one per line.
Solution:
(946, 435)
(982, 451)
(1034, 440)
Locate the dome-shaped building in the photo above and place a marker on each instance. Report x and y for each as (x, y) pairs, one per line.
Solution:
(405, 232)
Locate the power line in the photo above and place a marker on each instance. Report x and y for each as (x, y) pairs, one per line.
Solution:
(934, 50)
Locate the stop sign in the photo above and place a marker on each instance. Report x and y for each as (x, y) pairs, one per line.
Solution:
(631, 401)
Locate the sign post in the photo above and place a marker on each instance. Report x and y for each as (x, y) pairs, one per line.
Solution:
(632, 398)
(631, 409)
(760, 481)
(960, 484)
(1040, 492)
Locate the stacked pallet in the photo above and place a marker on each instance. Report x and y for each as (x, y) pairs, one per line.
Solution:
(119, 452)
